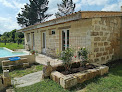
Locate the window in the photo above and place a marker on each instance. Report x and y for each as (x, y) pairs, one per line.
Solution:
(53, 32)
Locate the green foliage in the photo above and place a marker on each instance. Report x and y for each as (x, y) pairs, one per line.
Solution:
(65, 8)
(66, 56)
(19, 37)
(83, 52)
(12, 36)
(12, 46)
(34, 12)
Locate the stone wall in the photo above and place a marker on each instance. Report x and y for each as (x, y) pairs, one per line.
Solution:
(105, 37)
(101, 36)
(79, 36)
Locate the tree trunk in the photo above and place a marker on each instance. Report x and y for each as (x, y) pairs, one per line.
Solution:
(5, 42)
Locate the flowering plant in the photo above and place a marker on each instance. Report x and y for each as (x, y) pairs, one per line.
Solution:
(66, 56)
(83, 54)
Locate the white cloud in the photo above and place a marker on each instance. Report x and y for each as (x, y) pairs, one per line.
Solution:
(18, 5)
(12, 4)
(113, 7)
(94, 2)
(7, 24)
(6, 3)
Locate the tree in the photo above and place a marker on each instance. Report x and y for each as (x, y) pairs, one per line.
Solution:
(65, 8)
(33, 13)
(19, 37)
(4, 38)
(12, 35)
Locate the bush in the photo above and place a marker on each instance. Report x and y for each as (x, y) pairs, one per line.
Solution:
(83, 54)
(66, 56)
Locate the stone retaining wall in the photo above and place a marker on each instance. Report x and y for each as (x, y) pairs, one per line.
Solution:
(30, 59)
(67, 81)
(70, 80)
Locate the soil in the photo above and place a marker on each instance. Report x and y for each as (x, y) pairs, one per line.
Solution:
(75, 67)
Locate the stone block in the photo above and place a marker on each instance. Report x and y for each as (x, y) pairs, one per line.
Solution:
(68, 81)
(7, 81)
(1, 85)
(6, 73)
(56, 76)
(97, 38)
(100, 44)
(12, 67)
(25, 65)
(96, 49)
(98, 54)
(105, 43)
(103, 70)
(94, 33)
(93, 73)
(5, 67)
(81, 77)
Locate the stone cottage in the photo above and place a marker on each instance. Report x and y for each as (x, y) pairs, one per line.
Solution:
(99, 31)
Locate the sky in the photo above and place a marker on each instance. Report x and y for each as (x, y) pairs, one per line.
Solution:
(10, 8)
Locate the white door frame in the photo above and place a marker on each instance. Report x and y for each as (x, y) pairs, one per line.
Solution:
(43, 48)
(65, 30)
(33, 41)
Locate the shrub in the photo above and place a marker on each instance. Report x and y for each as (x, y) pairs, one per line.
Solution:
(83, 54)
(66, 56)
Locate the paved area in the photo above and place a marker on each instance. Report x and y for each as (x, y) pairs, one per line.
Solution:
(43, 59)
(33, 78)
(28, 79)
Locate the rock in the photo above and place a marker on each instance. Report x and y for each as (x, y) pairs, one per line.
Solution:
(47, 70)
(103, 70)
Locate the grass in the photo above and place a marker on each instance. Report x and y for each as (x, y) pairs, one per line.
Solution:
(12, 46)
(111, 82)
(44, 86)
(22, 72)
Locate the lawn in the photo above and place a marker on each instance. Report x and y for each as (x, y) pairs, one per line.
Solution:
(12, 46)
(22, 72)
(111, 82)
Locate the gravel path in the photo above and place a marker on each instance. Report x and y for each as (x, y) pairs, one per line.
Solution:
(28, 79)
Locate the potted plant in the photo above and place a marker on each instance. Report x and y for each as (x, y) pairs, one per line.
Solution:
(32, 52)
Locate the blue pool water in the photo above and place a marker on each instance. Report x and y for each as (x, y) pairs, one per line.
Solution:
(7, 53)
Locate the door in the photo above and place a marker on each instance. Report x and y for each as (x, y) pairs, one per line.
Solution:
(44, 42)
(65, 39)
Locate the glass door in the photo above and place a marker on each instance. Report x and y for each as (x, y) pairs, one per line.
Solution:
(65, 39)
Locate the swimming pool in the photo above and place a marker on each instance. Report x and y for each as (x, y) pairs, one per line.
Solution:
(4, 52)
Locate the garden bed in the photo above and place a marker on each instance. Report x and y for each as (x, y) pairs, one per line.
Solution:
(77, 75)
(75, 68)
